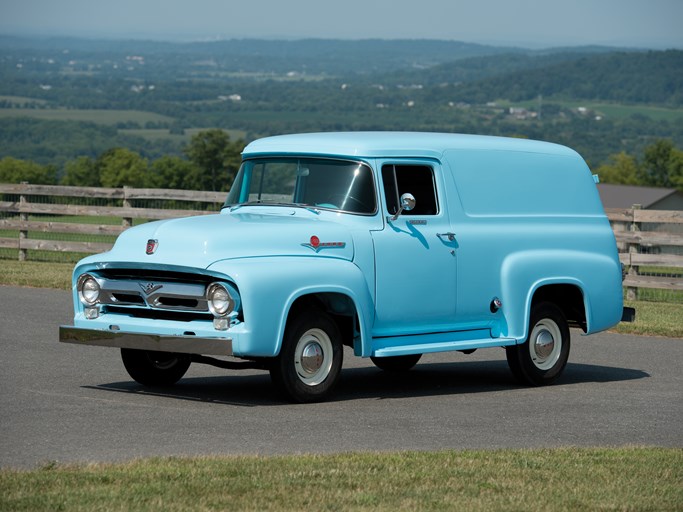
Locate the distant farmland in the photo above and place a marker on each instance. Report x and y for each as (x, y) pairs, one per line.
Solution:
(107, 117)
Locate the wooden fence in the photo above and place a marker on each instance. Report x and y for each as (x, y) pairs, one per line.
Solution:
(30, 211)
(651, 246)
(641, 250)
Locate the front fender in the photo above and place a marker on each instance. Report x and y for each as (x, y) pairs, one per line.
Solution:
(269, 286)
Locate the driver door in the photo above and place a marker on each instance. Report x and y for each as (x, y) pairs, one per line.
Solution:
(415, 254)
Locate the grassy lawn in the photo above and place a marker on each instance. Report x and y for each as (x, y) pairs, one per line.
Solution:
(546, 479)
(36, 274)
(654, 319)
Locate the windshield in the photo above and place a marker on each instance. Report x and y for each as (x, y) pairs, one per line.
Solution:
(317, 183)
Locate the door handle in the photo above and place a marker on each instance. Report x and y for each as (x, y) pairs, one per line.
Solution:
(448, 236)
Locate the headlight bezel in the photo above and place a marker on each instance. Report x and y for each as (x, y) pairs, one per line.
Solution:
(225, 299)
(85, 296)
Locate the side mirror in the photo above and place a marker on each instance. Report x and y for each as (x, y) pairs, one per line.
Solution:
(407, 204)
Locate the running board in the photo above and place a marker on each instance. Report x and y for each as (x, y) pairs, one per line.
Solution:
(441, 346)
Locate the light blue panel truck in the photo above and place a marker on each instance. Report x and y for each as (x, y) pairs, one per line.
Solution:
(395, 244)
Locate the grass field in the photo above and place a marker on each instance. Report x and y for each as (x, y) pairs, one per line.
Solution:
(564, 479)
(36, 274)
(609, 110)
(107, 117)
(623, 111)
(654, 319)
(21, 100)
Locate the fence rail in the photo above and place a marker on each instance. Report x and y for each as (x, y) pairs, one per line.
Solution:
(651, 247)
(650, 241)
(32, 205)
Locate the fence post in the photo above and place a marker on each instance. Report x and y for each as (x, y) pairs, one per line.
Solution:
(23, 216)
(632, 292)
(127, 221)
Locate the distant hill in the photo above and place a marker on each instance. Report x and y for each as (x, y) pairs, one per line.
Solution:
(61, 98)
(481, 67)
(654, 77)
(330, 57)
(429, 61)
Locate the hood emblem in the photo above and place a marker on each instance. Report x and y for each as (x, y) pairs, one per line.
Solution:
(148, 288)
(316, 245)
(152, 246)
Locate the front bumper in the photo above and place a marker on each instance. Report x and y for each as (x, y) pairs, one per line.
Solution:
(180, 344)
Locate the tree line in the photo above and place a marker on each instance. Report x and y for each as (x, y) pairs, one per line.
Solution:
(211, 160)
(661, 165)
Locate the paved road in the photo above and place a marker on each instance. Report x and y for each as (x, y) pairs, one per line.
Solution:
(76, 404)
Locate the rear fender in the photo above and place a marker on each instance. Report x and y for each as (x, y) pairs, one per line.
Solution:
(597, 276)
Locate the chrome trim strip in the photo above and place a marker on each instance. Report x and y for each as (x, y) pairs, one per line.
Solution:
(181, 344)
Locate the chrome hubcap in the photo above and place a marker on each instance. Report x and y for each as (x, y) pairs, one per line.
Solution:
(313, 357)
(545, 344)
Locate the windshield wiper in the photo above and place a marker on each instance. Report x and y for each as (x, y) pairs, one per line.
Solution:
(234, 207)
(309, 208)
(273, 203)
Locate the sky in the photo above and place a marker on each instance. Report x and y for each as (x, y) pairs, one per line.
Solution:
(528, 23)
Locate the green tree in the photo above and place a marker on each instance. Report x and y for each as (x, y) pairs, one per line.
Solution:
(16, 171)
(676, 167)
(622, 169)
(661, 165)
(121, 167)
(81, 172)
(172, 172)
(216, 158)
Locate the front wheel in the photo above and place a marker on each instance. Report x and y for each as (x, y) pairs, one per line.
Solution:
(151, 368)
(542, 358)
(310, 360)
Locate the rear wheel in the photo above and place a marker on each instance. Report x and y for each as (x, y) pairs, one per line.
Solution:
(151, 368)
(396, 363)
(310, 360)
(541, 359)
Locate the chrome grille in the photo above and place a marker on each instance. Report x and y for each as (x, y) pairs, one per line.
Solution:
(165, 295)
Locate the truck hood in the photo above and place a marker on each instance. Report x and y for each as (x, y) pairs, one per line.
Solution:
(201, 241)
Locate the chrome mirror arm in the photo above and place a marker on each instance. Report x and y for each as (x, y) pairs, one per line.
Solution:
(407, 203)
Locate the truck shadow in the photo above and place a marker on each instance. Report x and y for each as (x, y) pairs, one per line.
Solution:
(465, 378)
(254, 390)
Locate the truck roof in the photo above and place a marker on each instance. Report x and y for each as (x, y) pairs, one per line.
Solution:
(394, 144)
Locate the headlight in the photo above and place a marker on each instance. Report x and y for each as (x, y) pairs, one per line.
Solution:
(88, 290)
(221, 303)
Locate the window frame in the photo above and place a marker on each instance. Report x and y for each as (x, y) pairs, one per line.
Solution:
(435, 189)
(285, 158)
